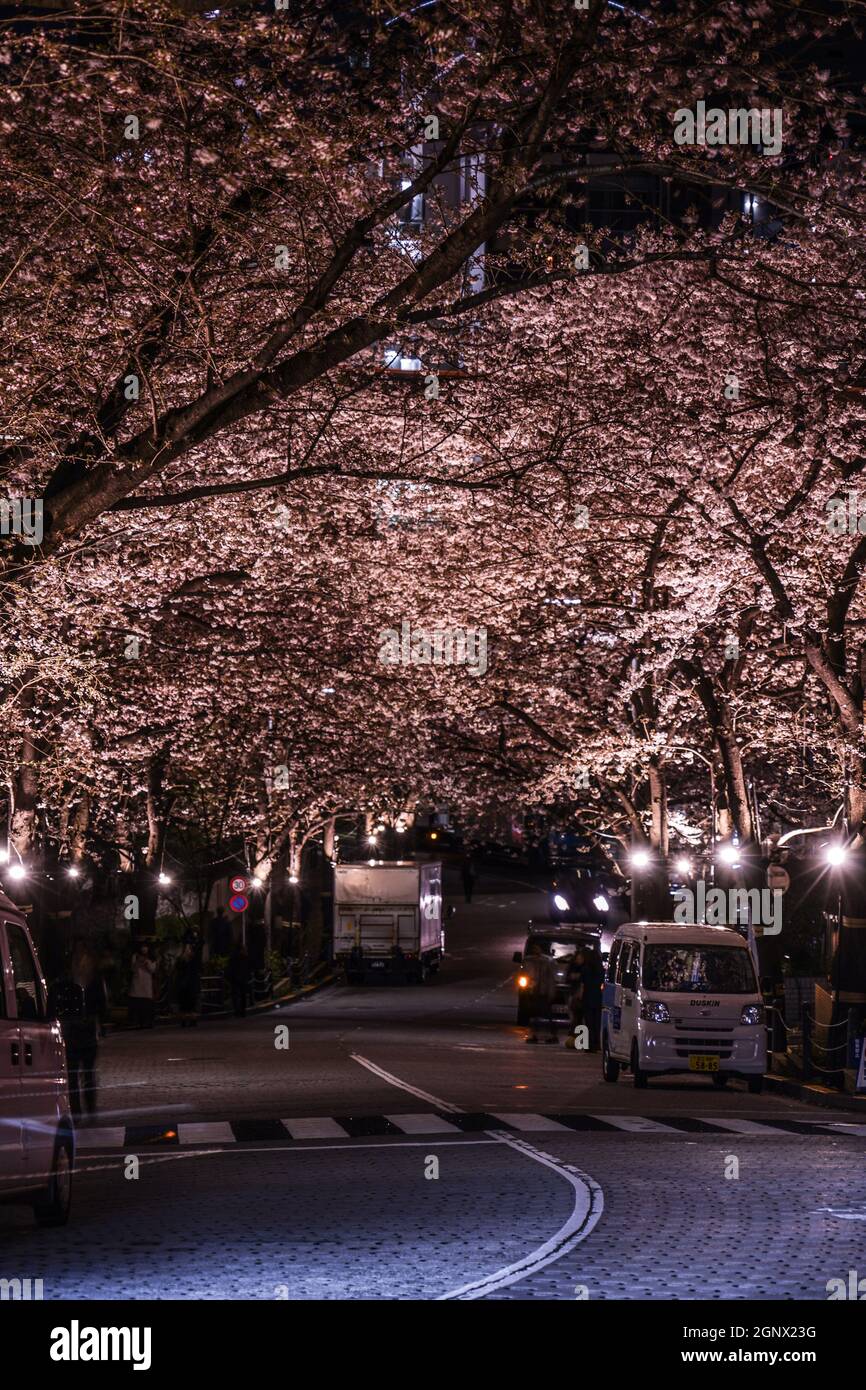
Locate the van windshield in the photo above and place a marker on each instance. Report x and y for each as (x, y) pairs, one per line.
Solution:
(699, 970)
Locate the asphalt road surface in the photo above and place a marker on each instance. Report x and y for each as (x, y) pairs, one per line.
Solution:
(408, 1144)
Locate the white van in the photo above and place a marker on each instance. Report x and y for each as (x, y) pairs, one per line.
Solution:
(682, 999)
(37, 1138)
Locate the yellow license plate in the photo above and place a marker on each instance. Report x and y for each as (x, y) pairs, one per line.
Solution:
(703, 1063)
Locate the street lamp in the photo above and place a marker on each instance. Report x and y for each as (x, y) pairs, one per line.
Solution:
(164, 879)
(730, 854)
(73, 871)
(836, 855)
(683, 866)
(639, 859)
(17, 872)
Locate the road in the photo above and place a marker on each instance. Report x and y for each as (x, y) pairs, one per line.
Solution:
(407, 1144)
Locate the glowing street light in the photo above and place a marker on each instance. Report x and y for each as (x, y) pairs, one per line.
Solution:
(164, 879)
(371, 840)
(4, 856)
(17, 872)
(73, 871)
(683, 866)
(836, 855)
(730, 854)
(639, 859)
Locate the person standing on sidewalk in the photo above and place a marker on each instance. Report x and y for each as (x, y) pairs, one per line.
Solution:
(239, 978)
(80, 1001)
(188, 979)
(141, 987)
(467, 870)
(542, 992)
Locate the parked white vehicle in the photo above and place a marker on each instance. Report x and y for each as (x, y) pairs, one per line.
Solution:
(682, 999)
(37, 1138)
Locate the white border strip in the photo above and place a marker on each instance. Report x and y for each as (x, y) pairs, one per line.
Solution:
(588, 1208)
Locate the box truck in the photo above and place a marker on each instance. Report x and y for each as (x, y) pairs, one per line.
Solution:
(388, 920)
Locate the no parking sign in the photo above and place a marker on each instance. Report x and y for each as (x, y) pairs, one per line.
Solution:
(238, 903)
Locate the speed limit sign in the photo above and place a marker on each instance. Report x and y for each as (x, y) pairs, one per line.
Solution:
(239, 885)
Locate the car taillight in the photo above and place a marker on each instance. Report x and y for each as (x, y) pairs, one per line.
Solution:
(522, 981)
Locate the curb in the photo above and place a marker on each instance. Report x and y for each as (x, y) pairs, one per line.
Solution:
(815, 1095)
(267, 1006)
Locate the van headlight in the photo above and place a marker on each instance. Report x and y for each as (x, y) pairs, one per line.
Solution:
(560, 902)
(751, 1014)
(654, 1011)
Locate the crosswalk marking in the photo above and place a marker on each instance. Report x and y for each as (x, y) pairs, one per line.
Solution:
(108, 1138)
(422, 1124)
(832, 1125)
(531, 1124)
(321, 1128)
(743, 1126)
(206, 1132)
(190, 1132)
(636, 1124)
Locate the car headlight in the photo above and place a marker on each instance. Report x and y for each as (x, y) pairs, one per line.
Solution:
(654, 1011)
(560, 902)
(600, 903)
(751, 1014)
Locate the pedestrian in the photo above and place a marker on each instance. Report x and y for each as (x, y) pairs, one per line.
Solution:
(541, 992)
(220, 933)
(258, 944)
(141, 988)
(593, 981)
(574, 984)
(188, 981)
(398, 964)
(239, 978)
(467, 870)
(78, 999)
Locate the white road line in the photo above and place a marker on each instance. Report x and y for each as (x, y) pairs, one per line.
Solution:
(842, 1126)
(316, 1128)
(101, 1138)
(636, 1124)
(206, 1132)
(588, 1207)
(404, 1085)
(531, 1124)
(422, 1124)
(743, 1126)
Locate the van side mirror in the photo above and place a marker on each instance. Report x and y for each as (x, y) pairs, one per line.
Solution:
(517, 957)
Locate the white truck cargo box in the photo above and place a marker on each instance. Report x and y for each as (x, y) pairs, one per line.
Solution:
(388, 919)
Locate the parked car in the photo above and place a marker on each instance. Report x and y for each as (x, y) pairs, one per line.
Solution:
(560, 944)
(682, 999)
(37, 1137)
